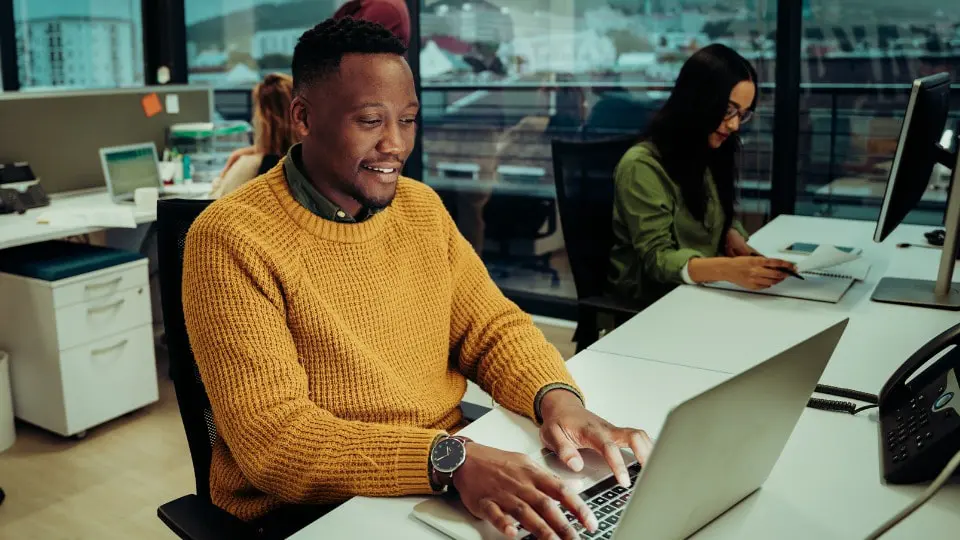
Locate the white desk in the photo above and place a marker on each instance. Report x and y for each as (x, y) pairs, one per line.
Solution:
(713, 329)
(21, 229)
(826, 485)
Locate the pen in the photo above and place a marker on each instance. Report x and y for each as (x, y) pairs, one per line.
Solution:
(791, 272)
(784, 270)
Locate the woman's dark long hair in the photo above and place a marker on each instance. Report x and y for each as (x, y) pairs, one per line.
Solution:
(695, 109)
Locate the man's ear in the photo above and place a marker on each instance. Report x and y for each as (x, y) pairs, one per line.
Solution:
(300, 115)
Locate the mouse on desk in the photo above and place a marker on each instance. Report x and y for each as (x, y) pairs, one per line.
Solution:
(935, 237)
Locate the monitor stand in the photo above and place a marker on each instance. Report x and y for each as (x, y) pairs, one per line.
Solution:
(916, 292)
(942, 293)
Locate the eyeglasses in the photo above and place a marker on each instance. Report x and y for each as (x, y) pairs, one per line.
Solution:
(734, 110)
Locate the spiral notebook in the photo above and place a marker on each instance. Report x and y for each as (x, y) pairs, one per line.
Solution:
(821, 288)
(828, 272)
(857, 270)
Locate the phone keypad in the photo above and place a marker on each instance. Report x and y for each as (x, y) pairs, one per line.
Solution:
(912, 432)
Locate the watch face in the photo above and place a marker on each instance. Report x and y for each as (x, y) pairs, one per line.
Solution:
(447, 455)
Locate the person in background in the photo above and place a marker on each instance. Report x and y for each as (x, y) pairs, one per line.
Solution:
(273, 135)
(390, 14)
(336, 314)
(674, 194)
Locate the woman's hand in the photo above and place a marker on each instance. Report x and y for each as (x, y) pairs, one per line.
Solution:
(755, 272)
(736, 245)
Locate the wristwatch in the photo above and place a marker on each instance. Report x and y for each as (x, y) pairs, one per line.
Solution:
(446, 457)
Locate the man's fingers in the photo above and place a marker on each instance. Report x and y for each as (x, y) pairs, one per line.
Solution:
(601, 441)
(640, 443)
(491, 512)
(553, 487)
(548, 509)
(528, 517)
(565, 449)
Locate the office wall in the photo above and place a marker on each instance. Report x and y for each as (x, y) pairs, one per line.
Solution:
(60, 133)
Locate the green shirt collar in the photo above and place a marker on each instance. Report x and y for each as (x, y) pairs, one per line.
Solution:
(307, 196)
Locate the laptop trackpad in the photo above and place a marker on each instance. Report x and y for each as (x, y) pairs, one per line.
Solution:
(448, 516)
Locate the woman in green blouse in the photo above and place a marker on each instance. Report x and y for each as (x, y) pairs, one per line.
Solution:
(673, 215)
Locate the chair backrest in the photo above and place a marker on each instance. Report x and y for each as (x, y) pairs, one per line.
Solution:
(174, 218)
(583, 172)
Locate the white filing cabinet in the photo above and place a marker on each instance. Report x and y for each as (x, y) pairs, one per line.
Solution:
(81, 348)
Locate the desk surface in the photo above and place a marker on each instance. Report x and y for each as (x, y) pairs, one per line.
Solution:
(726, 324)
(827, 483)
(21, 229)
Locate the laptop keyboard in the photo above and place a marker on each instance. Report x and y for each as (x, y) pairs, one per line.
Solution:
(607, 501)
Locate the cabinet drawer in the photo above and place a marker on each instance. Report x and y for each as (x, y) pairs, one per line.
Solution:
(95, 319)
(101, 284)
(108, 378)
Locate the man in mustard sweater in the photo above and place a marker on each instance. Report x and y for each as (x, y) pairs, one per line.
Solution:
(336, 314)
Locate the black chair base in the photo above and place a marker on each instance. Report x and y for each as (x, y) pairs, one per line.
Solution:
(192, 518)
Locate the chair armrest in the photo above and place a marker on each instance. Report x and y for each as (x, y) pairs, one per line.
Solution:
(610, 304)
(192, 518)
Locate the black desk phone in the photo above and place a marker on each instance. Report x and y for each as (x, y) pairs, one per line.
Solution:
(919, 421)
(19, 189)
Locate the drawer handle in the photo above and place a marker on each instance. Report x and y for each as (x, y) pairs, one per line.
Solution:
(97, 352)
(107, 307)
(92, 286)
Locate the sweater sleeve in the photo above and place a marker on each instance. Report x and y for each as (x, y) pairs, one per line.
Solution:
(495, 342)
(286, 445)
(647, 211)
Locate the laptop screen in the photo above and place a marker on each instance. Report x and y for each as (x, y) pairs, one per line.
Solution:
(132, 168)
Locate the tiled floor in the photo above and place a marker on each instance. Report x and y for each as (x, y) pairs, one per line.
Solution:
(109, 485)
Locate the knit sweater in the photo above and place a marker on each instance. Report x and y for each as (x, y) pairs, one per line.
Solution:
(334, 353)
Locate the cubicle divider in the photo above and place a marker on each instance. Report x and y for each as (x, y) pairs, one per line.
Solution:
(60, 133)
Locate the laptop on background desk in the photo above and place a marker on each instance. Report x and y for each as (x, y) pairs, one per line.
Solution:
(715, 449)
(133, 166)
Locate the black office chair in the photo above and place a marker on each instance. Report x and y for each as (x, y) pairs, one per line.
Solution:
(583, 172)
(521, 217)
(191, 517)
(194, 516)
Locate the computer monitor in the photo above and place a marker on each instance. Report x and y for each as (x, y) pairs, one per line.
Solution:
(126, 168)
(918, 150)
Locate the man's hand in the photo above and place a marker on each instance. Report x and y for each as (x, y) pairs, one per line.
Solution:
(569, 427)
(736, 245)
(505, 488)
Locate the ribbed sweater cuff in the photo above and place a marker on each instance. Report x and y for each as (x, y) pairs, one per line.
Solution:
(519, 393)
(413, 456)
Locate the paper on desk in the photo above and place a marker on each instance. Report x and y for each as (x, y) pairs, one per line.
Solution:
(824, 256)
(89, 217)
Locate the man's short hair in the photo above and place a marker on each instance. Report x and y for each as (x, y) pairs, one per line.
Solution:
(319, 50)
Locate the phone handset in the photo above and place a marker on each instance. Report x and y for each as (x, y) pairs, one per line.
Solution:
(895, 388)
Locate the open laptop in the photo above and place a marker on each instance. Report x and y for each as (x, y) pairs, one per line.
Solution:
(714, 450)
(129, 167)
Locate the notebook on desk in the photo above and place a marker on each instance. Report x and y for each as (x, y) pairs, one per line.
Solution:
(821, 288)
(857, 270)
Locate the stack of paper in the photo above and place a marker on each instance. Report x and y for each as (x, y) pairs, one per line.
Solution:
(119, 216)
(832, 262)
